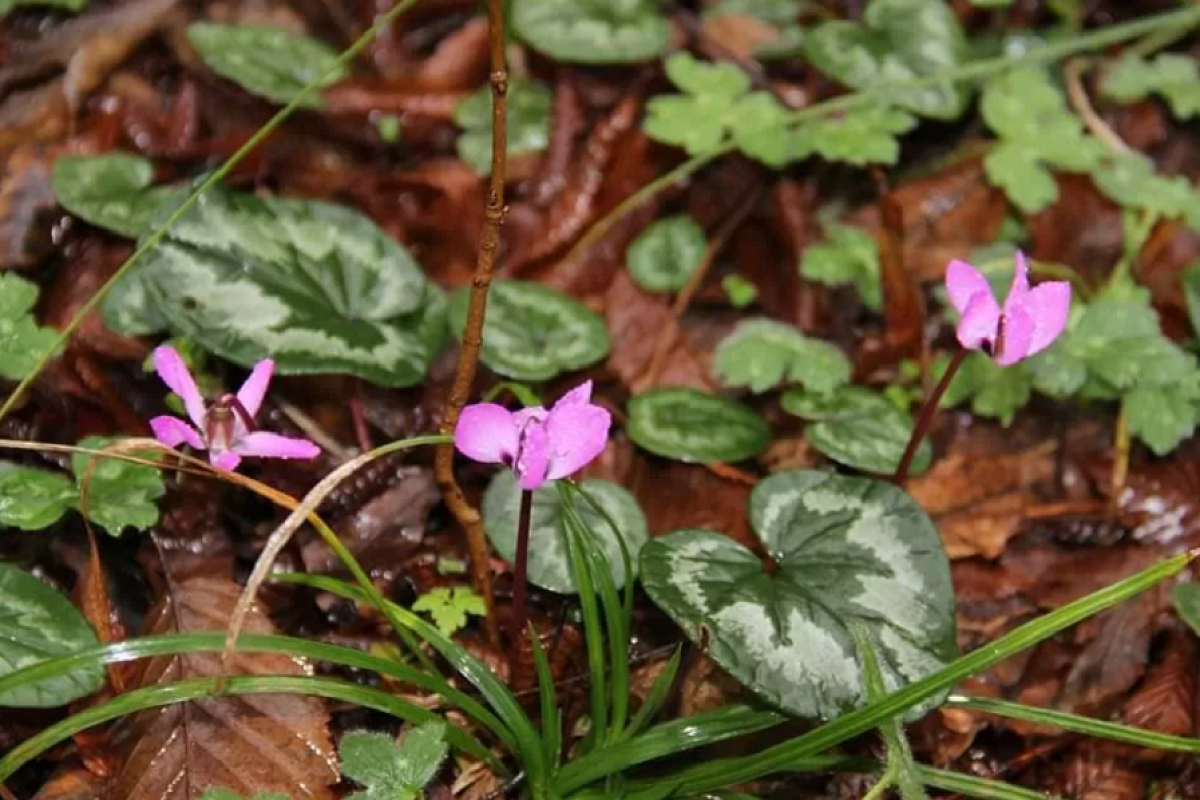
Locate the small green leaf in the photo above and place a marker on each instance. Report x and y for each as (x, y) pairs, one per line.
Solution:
(549, 558)
(592, 31)
(119, 494)
(688, 425)
(848, 257)
(533, 332)
(1173, 76)
(270, 62)
(664, 256)
(760, 354)
(859, 136)
(22, 340)
(111, 191)
(1163, 416)
(897, 40)
(1019, 171)
(67, 5)
(994, 391)
(37, 623)
(741, 292)
(1186, 597)
(1130, 179)
(1190, 279)
(528, 123)
(449, 607)
(391, 771)
(759, 126)
(33, 499)
(858, 428)
(850, 551)
(704, 79)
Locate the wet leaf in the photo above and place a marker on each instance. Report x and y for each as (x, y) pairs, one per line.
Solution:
(859, 136)
(689, 425)
(664, 256)
(1173, 76)
(270, 62)
(22, 340)
(858, 428)
(549, 561)
(317, 287)
(38, 623)
(533, 332)
(896, 40)
(848, 257)
(111, 191)
(528, 123)
(33, 499)
(392, 771)
(119, 494)
(592, 31)
(761, 354)
(863, 547)
(449, 607)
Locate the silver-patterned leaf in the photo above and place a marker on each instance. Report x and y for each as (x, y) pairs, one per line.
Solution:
(850, 551)
(859, 428)
(688, 425)
(111, 191)
(592, 31)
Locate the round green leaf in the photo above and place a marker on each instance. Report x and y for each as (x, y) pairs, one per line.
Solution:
(317, 287)
(592, 31)
(549, 562)
(111, 191)
(858, 428)
(33, 499)
(528, 124)
(666, 254)
(120, 494)
(533, 332)
(688, 425)
(850, 552)
(36, 624)
(266, 61)
(761, 353)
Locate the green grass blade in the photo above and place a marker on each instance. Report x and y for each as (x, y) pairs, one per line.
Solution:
(901, 769)
(658, 694)
(971, 786)
(551, 715)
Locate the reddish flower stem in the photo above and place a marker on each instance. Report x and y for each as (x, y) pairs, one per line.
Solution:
(925, 418)
(520, 571)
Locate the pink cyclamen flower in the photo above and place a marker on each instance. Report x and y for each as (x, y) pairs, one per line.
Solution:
(539, 445)
(226, 428)
(1030, 320)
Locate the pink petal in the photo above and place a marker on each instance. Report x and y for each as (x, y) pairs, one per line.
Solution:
(261, 444)
(1018, 333)
(963, 282)
(1020, 281)
(1049, 305)
(226, 459)
(487, 432)
(578, 433)
(580, 395)
(533, 458)
(980, 321)
(172, 431)
(174, 373)
(255, 388)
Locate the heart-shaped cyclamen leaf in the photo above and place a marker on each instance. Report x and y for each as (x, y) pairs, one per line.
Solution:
(688, 425)
(111, 191)
(592, 31)
(317, 287)
(549, 559)
(528, 125)
(850, 552)
(38, 623)
(664, 256)
(858, 428)
(533, 332)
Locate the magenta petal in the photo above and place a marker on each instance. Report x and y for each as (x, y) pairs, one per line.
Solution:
(1018, 332)
(486, 432)
(255, 388)
(533, 458)
(963, 282)
(172, 431)
(1049, 305)
(174, 373)
(1020, 282)
(226, 459)
(261, 444)
(580, 395)
(578, 433)
(980, 321)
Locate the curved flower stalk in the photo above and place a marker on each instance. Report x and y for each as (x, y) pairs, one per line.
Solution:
(226, 428)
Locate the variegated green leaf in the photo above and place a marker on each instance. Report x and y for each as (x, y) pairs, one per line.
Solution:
(688, 425)
(111, 191)
(850, 551)
(592, 31)
(859, 428)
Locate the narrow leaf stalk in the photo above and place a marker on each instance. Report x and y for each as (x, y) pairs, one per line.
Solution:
(925, 417)
(520, 614)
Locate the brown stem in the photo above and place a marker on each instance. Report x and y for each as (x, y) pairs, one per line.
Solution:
(925, 418)
(472, 336)
(516, 630)
(358, 416)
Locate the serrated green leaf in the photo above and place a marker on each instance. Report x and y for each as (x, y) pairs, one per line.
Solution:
(317, 287)
(1162, 417)
(1018, 170)
(449, 607)
(68, 5)
(270, 62)
(858, 428)
(1190, 280)
(1173, 76)
(592, 31)
(549, 561)
(759, 126)
(848, 257)
(117, 494)
(994, 391)
(33, 499)
(528, 123)
(1130, 180)
(1186, 597)
(703, 78)
(22, 340)
(761, 353)
(391, 771)
(741, 292)
(688, 425)
(697, 124)
(111, 191)
(859, 136)
(37, 623)
(897, 40)
(850, 551)
(664, 256)
(17, 295)
(533, 332)
(1058, 370)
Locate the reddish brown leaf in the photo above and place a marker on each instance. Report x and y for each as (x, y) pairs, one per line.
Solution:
(27, 205)
(1166, 700)
(1114, 660)
(1101, 771)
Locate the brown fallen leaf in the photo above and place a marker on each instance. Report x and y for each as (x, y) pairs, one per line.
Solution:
(1099, 770)
(27, 205)
(676, 495)
(251, 744)
(1114, 660)
(1166, 701)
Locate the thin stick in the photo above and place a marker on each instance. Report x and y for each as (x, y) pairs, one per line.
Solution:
(516, 630)
(1073, 77)
(925, 418)
(472, 336)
